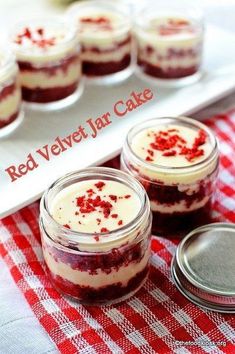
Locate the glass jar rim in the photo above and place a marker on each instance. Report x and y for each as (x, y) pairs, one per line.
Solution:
(8, 62)
(175, 169)
(82, 238)
(119, 9)
(192, 12)
(70, 39)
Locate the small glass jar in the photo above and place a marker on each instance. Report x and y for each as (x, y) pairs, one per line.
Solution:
(169, 41)
(11, 114)
(48, 56)
(176, 160)
(96, 267)
(104, 31)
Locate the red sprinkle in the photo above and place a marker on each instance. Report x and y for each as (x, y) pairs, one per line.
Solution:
(113, 197)
(150, 152)
(127, 196)
(97, 238)
(148, 159)
(104, 229)
(100, 185)
(67, 226)
(120, 222)
(169, 153)
(114, 216)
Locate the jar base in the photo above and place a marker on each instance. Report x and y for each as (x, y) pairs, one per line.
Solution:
(57, 105)
(11, 127)
(111, 79)
(169, 83)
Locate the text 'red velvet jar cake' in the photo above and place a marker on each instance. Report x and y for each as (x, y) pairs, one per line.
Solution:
(48, 55)
(176, 160)
(169, 45)
(104, 31)
(95, 229)
(10, 94)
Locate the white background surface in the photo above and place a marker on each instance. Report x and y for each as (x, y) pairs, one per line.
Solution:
(20, 331)
(40, 129)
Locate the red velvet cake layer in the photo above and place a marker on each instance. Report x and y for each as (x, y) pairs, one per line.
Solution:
(98, 295)
(47, 95)
(5, 122)
(170, 73)
(105, 68)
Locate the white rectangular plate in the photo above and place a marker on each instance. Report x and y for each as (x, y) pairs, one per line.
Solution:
(39, 129)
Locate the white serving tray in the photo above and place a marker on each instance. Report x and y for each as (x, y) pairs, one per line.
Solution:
(39, 129)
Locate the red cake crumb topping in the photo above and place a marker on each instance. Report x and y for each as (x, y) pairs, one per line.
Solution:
(92, 202)
(104, 229)
(172, 144)
(40, 41)
(100, 185)
(67, 226)
(102, 22)
(174, 26)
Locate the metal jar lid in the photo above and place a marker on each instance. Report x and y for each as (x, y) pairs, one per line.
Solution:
(203, 268)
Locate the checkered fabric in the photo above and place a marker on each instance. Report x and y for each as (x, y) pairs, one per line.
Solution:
(158, 319)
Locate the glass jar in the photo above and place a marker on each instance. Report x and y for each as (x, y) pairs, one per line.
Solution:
(104, 31)
(95, 267)
(169, 41)
(176, 160)
(48, 56)
(11, 114)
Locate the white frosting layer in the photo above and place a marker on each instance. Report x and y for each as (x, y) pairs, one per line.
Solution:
(32, 79)
(187, 172)
(65, 211)
(83, 278)
(10, 104)
(177, 207)
(101, 34)
(60, 41)
(116, 55)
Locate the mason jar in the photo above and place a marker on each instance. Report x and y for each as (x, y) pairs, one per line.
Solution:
(170, 43)
(95, 228)
(11, 113)
(104, 31)
(176, 160)
(48, 55)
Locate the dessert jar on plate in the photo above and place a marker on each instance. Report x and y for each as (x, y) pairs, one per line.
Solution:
(176, 160)
(10, 94)
(104, 31)
(95, 229)
(169, 44)
(48, 56)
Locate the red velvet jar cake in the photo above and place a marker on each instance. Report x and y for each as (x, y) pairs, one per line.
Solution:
(10, 94)
(95, 228)
(169, 46)
(176, 160)
(48, 55)
(104, 32)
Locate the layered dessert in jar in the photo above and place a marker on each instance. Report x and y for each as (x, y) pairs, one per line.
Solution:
(104, 32)
(48, 56)
(176, 160)
(10, 93)
(95, 228)
(169, 46)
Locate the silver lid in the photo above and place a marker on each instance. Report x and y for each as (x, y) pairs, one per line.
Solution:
(203, 268)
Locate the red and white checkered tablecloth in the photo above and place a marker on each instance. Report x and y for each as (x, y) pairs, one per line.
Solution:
(158, 319)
